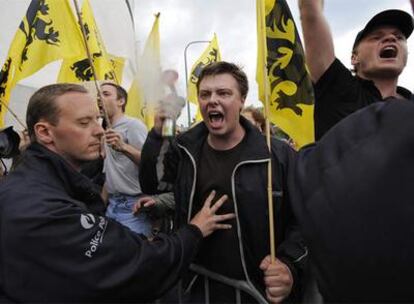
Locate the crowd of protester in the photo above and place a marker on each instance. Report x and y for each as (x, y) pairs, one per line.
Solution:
(114, 214)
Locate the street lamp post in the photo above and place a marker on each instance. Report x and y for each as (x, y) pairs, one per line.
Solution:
(186, 75)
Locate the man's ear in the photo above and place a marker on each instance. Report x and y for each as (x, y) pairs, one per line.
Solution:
(121, 102)
(43, 132)
(354, 58)
(242, 104)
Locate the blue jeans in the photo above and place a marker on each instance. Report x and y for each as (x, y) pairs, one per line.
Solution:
(120, 209)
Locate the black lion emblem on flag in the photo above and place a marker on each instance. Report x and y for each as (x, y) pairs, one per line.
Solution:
(290, 83)
(82, 68)
(34, 27)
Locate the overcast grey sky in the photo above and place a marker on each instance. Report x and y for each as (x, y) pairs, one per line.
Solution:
(234, 22)
(183, 21)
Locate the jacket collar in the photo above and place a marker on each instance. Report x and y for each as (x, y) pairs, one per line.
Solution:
(77, 185)
(255, 147)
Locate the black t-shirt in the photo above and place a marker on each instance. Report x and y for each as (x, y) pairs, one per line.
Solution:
(219, 252)
(338, 93)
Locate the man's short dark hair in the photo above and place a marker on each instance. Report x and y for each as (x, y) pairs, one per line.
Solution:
(42, 104)
(121, 93)
(223, 67)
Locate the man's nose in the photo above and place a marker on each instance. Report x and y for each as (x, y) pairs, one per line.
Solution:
(214, 99)
(98, 130)
(390, 38)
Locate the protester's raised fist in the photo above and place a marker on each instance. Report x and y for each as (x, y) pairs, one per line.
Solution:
(278, 279)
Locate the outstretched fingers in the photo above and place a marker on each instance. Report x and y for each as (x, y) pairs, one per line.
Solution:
(219, 203)
(224, 217)
(209, 199)
(207, 220)
(221, 217)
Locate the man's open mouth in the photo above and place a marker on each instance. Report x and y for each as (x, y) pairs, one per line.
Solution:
(389, 52)
(215, 117)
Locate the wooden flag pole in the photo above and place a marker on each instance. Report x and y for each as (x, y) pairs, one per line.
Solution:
(88, 52)
(272, 231)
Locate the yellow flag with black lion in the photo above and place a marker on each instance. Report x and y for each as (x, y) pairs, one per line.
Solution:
(48, 32)
(106, 66)
(282, 76)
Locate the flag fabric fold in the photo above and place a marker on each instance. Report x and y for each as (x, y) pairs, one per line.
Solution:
(147, 89)
(135, 106)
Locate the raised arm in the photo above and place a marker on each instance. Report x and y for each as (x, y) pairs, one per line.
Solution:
(318, 39)
(158, 168)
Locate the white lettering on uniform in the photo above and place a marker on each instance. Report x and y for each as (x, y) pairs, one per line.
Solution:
(97, 238)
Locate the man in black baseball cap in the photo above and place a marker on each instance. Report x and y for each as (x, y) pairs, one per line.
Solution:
(379, 55)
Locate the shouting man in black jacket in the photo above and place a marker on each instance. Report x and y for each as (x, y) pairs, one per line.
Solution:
(227, 153)
(56, 245)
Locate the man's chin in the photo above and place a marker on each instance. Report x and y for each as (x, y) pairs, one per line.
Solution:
(90, 157)
(216, 131)
(392, 74)
(387, 72)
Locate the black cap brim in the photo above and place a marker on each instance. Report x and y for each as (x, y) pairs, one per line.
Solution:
(400, 19)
